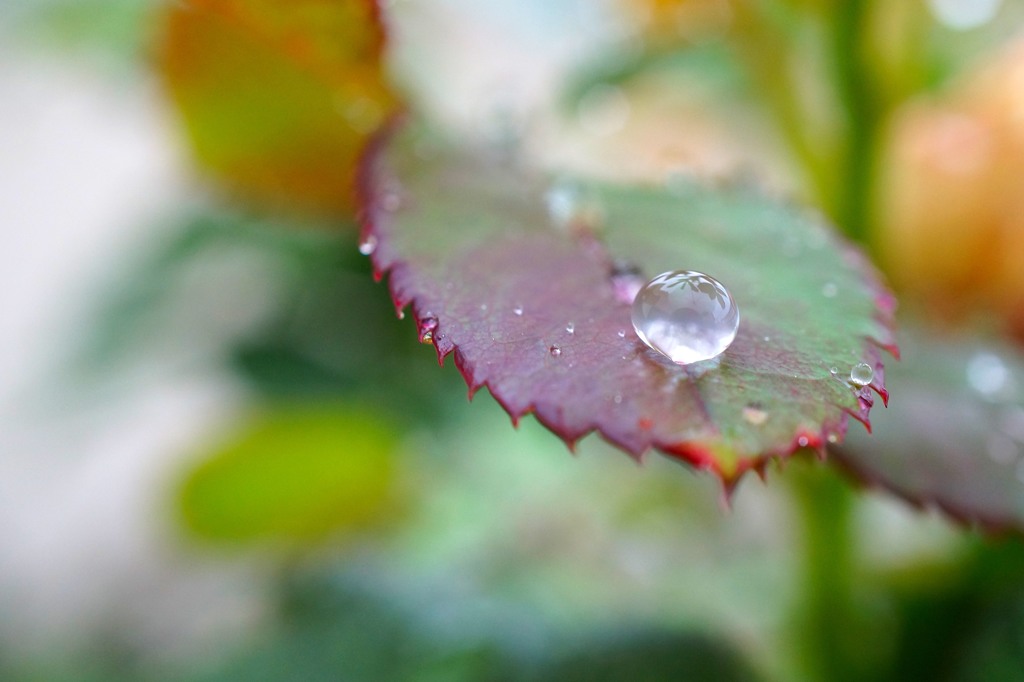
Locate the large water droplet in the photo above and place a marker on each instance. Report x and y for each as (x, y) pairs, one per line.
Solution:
(686, 315)
(861, 374)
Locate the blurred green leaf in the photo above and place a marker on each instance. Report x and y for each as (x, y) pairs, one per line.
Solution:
(294, 474)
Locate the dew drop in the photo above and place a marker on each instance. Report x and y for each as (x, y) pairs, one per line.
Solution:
(829, 290)
(861, 374)
(518, 310)
(617, 399)
(555, 351)
(571, 328)
(803, 441)
(427, 325)
(686, 316)
(622, 333)
(833, 370)
(833, 438)
(368, 245)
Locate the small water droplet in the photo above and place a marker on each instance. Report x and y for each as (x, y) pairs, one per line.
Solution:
(622, 333)
(518, 310)
(755, 415)
(988, 375)
(829, 290)
(427, 325)
(833, 438)
(833, 370)
(603, 110)
(483, 307)
(861, 374)
(617, 399)
(767, 339)
(571, 328)
(368, 245)
(555, 351)
(803, 441)
(686, 315)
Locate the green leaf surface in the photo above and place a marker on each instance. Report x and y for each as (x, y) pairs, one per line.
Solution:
(468, 241)
(955, 439)
(294, 475)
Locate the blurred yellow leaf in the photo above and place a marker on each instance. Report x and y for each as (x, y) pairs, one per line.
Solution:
(294, 475)
(278, 97)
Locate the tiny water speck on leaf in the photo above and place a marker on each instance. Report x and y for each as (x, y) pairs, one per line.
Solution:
(686, 316)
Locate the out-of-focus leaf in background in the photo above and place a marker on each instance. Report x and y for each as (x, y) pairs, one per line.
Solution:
(955, 439)
(295, 474)
(278, 98)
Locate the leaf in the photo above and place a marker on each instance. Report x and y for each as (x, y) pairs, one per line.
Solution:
(293, 475)
(278, 98)
(467, 241)
(955, 439)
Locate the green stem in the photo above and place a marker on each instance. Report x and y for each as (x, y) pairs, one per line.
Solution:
(827, 616)
(848, 26)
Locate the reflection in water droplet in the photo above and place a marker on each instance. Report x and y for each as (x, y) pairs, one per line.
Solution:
(861, 374)
(1001, 449)
(368, 245)
(571, 328)
(555, 351)
(622, 333)
(987, 374)
(603, 110)
(686, 315)
(755, 415)
(829, 290)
